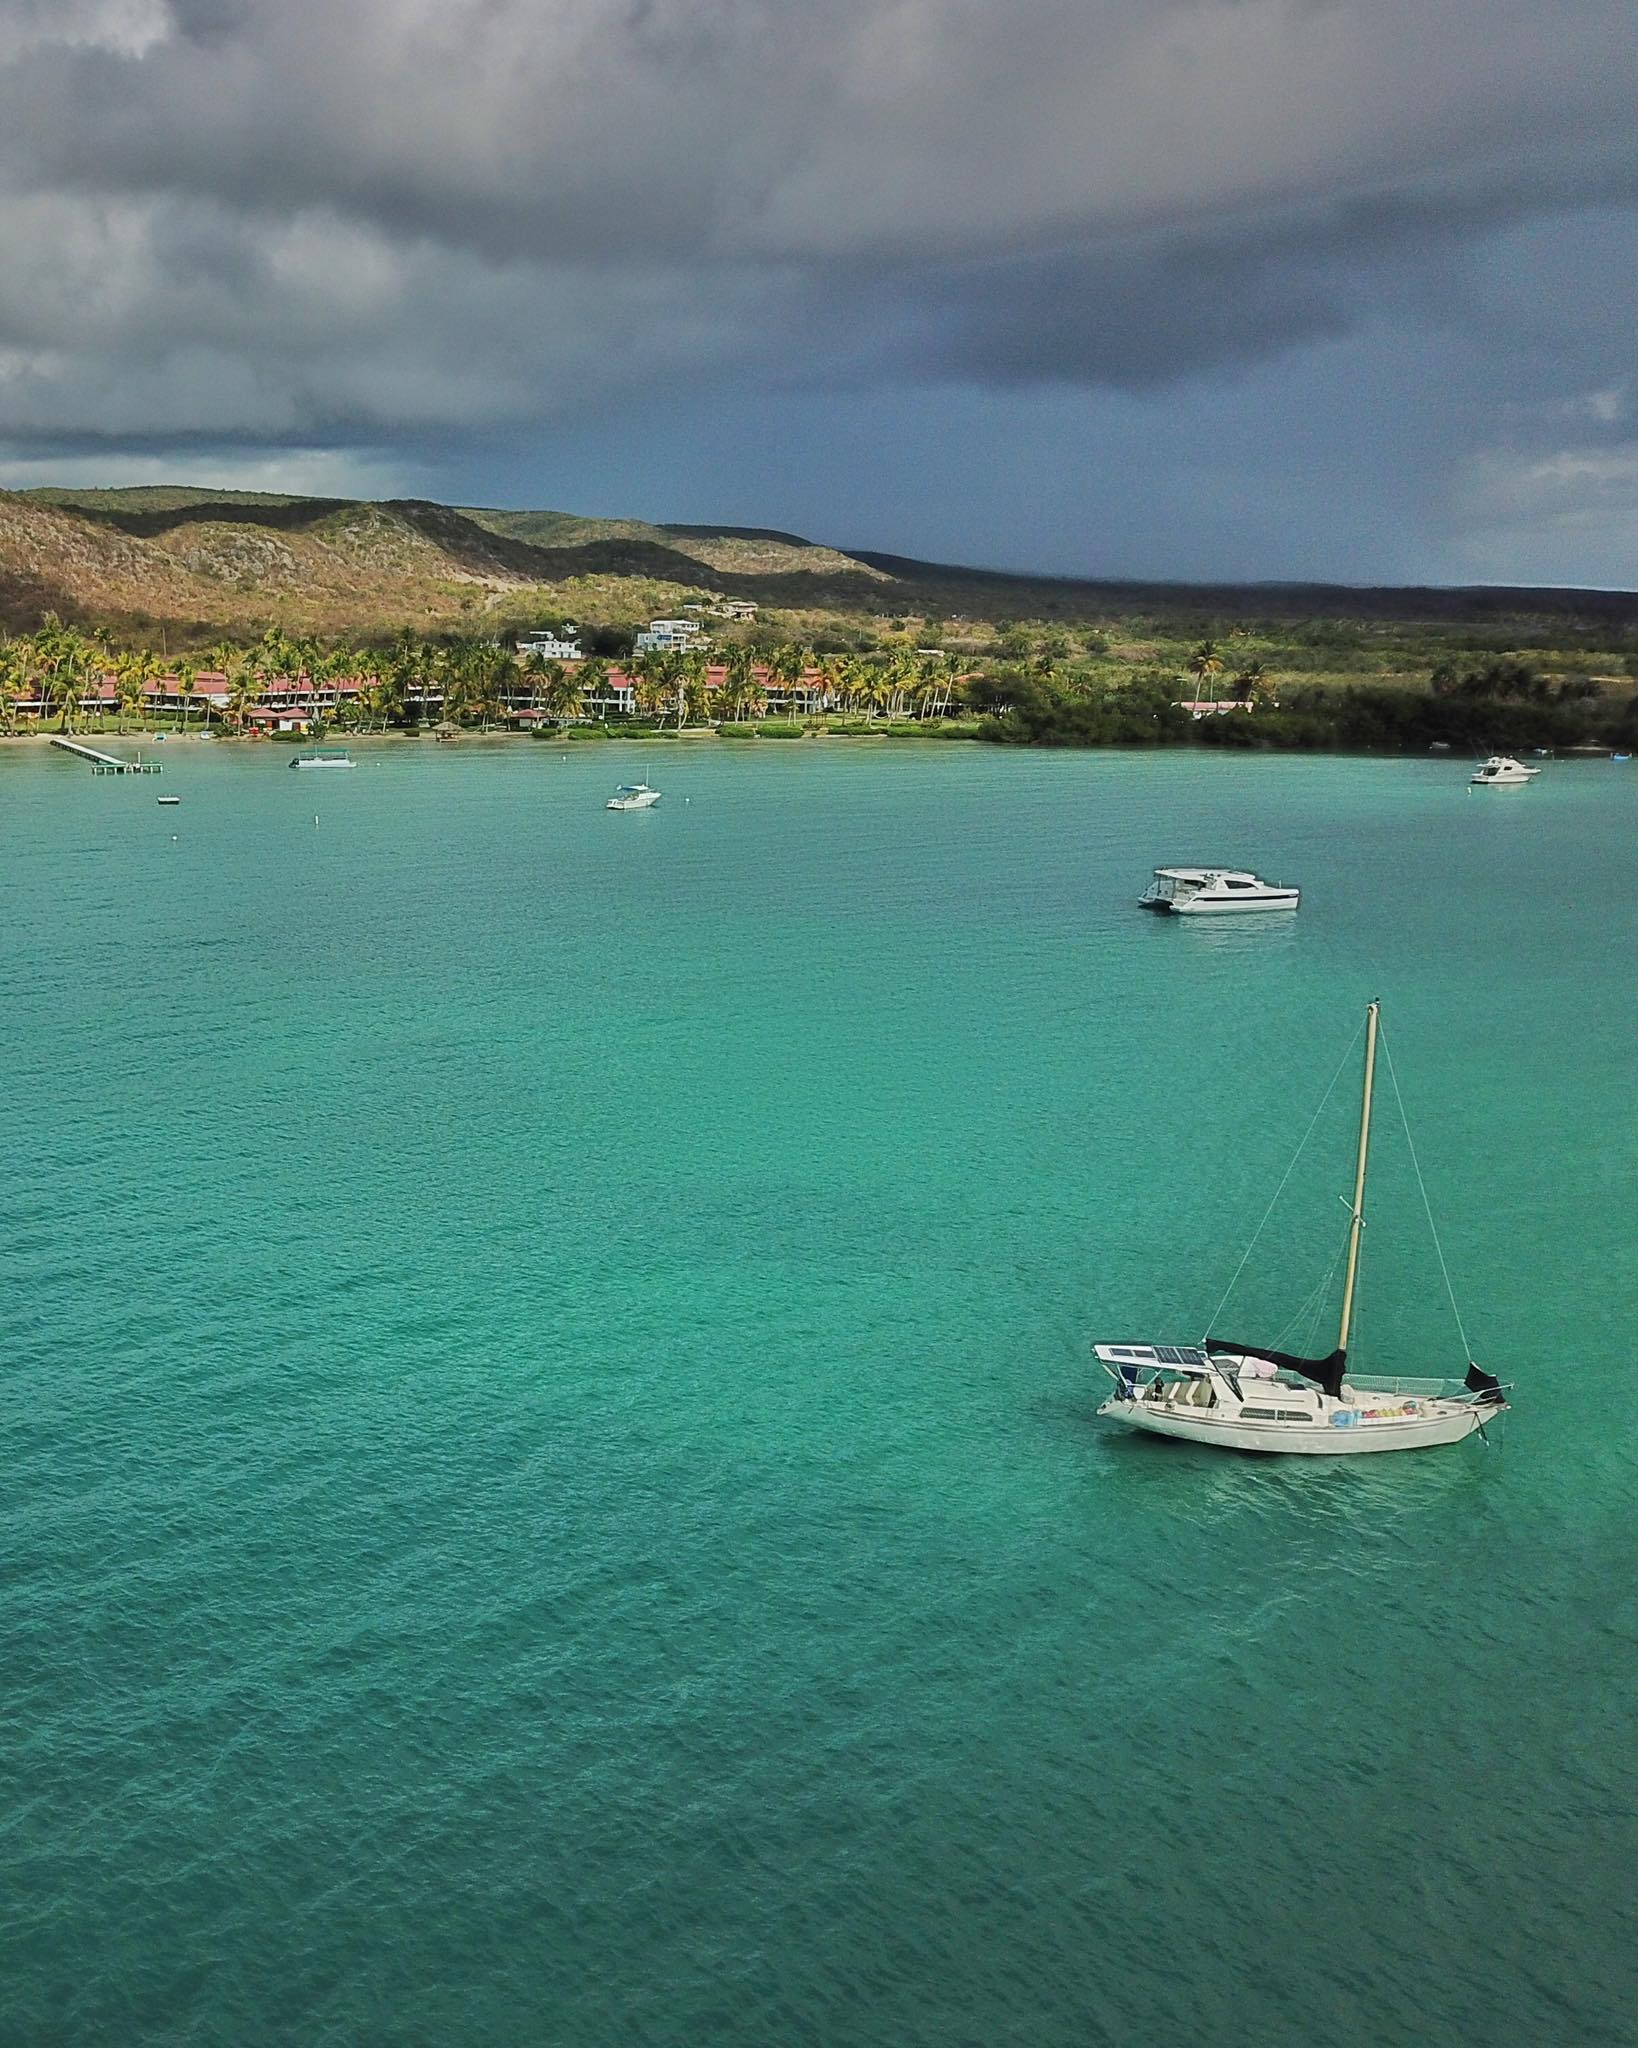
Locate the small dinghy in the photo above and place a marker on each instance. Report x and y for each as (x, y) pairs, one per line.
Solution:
(170, 799)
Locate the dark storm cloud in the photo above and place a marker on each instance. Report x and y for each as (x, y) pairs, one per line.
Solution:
(289, 221)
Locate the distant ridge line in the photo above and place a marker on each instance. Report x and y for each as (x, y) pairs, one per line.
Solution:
(220, 560)
(1346, 597)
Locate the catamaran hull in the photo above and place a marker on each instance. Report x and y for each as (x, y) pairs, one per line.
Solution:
(1323, 1440)
(1227, 907)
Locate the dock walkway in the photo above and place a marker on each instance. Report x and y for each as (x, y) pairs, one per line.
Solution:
(107, 764)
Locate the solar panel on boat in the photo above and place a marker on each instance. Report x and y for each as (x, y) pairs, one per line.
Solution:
(1179, 1354)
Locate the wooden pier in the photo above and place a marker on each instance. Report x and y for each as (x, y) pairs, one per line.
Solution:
(108, 764)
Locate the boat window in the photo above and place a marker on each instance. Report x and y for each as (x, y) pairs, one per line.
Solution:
(1259, 1414)
(1293, 1415)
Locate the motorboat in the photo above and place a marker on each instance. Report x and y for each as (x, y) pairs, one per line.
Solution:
(170, 799)
(1214, 892)
(325, 757)
(1501, 771)
(633, 796)
(1242, 1396)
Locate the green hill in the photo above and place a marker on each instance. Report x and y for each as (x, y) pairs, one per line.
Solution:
(196, 564)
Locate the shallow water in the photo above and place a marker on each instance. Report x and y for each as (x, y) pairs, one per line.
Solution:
(553, 1491)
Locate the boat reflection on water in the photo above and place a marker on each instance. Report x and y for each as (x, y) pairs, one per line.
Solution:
(1222, 936)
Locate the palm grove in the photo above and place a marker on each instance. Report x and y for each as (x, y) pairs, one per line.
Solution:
(57, 675)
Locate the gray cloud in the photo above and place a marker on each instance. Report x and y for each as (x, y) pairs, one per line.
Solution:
(307, 225)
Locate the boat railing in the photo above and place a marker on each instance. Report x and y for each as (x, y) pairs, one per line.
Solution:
(1387, 1383)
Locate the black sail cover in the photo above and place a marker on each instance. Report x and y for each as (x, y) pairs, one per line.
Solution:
(1324, 1372)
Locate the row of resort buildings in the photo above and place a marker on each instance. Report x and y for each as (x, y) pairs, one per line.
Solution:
(286, 704)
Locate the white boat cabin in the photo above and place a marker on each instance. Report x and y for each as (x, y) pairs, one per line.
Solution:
(633, 796)
(1199, 892)
(1501, 771)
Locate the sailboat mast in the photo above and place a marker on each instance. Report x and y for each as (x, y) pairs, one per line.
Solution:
(1358, 1223)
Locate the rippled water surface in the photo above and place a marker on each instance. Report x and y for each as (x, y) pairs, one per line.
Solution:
(551, 1484)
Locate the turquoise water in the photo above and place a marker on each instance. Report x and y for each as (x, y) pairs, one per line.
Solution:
(552, 1485)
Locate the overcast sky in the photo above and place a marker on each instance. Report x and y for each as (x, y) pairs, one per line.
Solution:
(1171, 288)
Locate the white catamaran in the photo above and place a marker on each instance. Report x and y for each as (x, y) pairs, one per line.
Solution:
(1246, 1397)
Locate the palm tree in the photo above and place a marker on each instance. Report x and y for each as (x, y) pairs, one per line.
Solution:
(536, 670)
(563, 697)
(1254, 683)
(495, 673)
(747, 695)
(823, 681)
(69, 679)
(931, 694)
(697, 700)
(59, 662)
(881, 692)
(445, 678)
(276, 654)
(692, 694)
(786, 667)
(237, 666)
(132, 672)
(1206, 665)
(12, 686)
(732, 691)
(591, 679)
(660, 674)
(386, 696)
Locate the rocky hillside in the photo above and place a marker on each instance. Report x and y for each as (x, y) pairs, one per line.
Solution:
(232, 561)
(195, 564)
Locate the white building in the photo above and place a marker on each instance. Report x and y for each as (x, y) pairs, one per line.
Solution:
(663, 633)
(549, 646)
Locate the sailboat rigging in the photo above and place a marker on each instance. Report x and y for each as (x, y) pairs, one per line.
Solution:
(1251, 1397)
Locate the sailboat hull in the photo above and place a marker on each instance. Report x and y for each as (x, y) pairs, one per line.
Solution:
(1448, 1424)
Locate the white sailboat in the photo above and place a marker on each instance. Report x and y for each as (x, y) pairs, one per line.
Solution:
(1246, 1397)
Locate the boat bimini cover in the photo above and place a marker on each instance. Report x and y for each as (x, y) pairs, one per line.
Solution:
(1326, 1373)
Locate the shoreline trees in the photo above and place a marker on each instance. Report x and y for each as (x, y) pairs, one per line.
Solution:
(60, 676)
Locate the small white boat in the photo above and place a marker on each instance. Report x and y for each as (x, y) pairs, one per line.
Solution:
(1501, 771)
(1247, 1397)
(1214, 892)
(633, 796)
(327, 757)
(170, 799)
